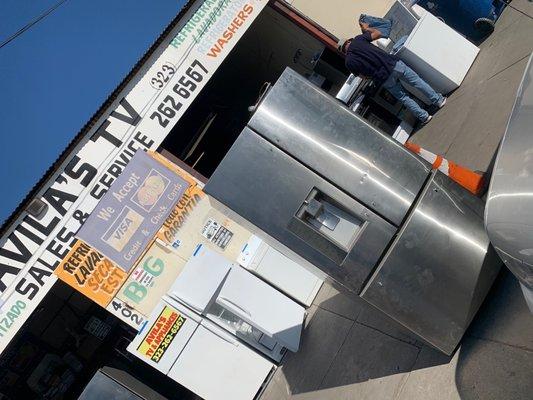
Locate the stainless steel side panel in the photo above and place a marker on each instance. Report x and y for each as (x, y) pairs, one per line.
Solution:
(321, 133)
(439, 268)
(509, 211)
(267, 187)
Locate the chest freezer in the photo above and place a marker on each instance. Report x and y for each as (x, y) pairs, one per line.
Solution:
(360, 208)
(440, 55)
(199, 355)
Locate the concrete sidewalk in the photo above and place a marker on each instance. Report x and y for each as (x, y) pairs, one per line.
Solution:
(349, 351)
(469, 128)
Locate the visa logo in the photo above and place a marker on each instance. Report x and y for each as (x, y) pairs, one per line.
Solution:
(123, 228)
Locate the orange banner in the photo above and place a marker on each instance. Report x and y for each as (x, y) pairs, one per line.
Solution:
(168, 233)
(174, 168)
(90, 273)
(189, 201)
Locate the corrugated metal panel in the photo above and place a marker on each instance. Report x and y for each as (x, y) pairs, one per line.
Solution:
(92, 121)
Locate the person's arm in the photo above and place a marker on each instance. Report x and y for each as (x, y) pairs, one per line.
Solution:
(373, 32)
(353, 65)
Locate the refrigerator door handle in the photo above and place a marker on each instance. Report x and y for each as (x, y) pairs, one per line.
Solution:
(215, 330)
(186, 303)
(232, 305)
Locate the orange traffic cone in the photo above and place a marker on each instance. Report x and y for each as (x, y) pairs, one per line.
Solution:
(470, 180)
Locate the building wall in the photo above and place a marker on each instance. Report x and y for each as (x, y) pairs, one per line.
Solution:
(340, 16)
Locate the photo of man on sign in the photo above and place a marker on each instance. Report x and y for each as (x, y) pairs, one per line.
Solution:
(151, 190)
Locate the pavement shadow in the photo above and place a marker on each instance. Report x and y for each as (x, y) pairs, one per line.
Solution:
(349, 347)
(337, 352)
(487, 276)
(504, 317)
(491, 371)
(495, 360)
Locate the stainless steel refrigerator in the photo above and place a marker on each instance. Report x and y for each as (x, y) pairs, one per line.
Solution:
(361, 209)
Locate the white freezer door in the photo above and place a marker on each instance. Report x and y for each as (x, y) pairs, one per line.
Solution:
(200, 279)
(280, 271)
(216, 366)
(263, 307)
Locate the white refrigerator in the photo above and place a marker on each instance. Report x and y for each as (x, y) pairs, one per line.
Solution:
(217, 327)
(199, 354)
(240, 302)
(280, 271)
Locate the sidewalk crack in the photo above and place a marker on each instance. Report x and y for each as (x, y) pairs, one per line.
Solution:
(509, 66)
(335, 356)
(406, 378)
(337, 314)
(389, 335)
(502, 343)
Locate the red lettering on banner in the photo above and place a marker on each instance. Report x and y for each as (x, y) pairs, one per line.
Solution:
(227, 35)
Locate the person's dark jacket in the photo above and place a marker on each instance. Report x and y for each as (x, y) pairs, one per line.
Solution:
(365, 59)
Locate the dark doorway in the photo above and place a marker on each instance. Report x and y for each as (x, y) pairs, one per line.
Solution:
(210, 126)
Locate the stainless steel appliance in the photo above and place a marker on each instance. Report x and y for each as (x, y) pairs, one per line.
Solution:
(111, 383)
(361, 209)
(509, 206)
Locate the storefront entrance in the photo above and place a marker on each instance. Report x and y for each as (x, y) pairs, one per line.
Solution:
(274, 42)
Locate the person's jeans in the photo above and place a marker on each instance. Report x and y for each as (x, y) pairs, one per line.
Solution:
(398, 45)
(402, 73)
(384, 26)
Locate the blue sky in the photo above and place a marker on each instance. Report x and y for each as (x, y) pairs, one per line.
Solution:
(56, 75)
